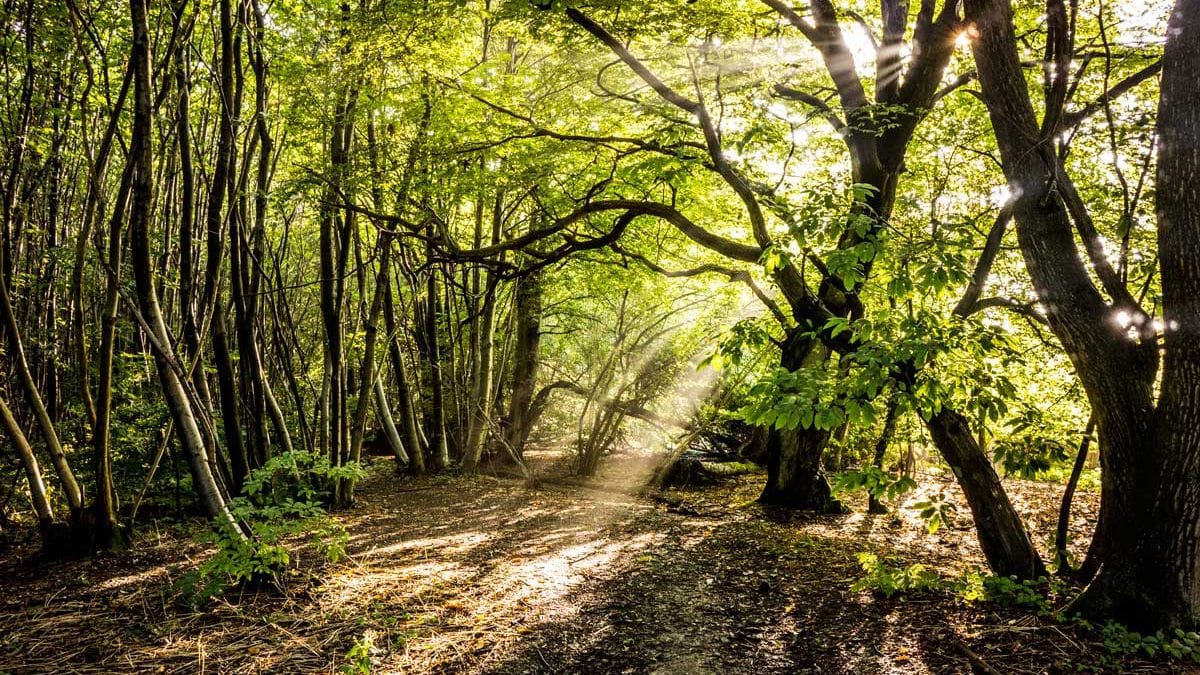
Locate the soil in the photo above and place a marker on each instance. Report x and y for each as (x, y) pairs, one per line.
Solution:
(487, 575)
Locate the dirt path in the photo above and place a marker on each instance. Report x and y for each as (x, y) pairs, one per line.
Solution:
(486, 575)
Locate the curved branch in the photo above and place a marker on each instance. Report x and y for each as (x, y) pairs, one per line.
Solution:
(661, 88)
(784, 91)
(742, 276)
(1025, 309)
(983, 266)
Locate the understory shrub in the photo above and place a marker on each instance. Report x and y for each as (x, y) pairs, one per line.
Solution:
(280, 501)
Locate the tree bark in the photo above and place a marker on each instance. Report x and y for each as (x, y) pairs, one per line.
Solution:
(186, 425)
(33, 474)
(795, 478)
(1002, 535)
(1150, 577)
(527, 358)
(881, 446)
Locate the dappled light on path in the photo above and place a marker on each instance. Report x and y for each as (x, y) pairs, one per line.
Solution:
(482, 575)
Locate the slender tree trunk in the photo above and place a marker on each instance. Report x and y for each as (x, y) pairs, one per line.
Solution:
(410, 434)
(33, 474)
(881, 446)
(227, 392)
(1002, 535)
(439, 448)
(1061, 533)
(186, 425)
(33, 398)
(107, 532)
(481, 398)
(384, 412)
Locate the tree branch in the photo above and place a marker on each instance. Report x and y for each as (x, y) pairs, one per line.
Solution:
(1072, 119)
(742, 276)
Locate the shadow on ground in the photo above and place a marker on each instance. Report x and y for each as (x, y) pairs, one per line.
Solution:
(482, 575)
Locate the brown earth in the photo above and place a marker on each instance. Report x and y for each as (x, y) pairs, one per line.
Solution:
(485, 575)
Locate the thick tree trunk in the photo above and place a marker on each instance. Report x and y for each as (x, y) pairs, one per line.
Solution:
(794, 475)
(795, 478)
(1151, 576)
(526, 354)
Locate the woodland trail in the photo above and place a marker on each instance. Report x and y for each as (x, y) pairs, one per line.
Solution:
(485, 575)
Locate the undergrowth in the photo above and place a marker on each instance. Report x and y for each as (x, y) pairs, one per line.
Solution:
(890, 578)
(280, 501)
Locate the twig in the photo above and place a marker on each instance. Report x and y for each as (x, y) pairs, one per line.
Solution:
(977, 662)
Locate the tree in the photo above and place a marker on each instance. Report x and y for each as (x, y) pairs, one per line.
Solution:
(1148, 519)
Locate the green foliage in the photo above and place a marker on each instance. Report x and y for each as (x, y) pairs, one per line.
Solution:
(978, 586)
(1031, 448)
(358, 658)
(936, 511)
(891, 580)
(747, 335)
(279, 501)
(1178, 644)
(877, 482)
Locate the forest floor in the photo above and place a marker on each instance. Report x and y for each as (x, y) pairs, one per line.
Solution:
(486, 575)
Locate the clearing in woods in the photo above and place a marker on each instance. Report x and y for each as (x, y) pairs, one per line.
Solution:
(488, 575)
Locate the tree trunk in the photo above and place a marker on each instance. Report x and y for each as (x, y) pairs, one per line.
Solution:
(107, 532)
(481, 398)
(410, 435)
(1153, 581)
(1002, 535)
(33, 474)
(527, 359)
(384, 412)
(1061, 532)
(439, 448)
(186, 425)
(227, 392)
(881, 446)
(795, 478)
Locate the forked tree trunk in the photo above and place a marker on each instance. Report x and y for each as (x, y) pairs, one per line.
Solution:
(384, 412)
(1152, 578)
(406, 405)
